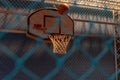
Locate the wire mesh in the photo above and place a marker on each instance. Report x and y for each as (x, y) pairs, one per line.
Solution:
(88, 57)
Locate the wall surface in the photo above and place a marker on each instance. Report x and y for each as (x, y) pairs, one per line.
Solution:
(42, 63)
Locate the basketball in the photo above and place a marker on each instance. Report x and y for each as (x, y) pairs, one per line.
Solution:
(63, 8)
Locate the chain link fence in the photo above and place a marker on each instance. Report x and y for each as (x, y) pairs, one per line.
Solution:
(93, 55)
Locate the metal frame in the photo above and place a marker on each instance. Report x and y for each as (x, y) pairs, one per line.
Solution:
(112, 5)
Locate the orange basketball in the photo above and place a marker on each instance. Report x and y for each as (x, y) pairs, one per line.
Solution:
(63, 8)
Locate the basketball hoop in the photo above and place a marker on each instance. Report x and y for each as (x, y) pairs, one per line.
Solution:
(60, 42)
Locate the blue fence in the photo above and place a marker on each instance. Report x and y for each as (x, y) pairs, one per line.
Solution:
(88, 57)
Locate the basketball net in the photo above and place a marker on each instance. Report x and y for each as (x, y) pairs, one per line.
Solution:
(60, 42)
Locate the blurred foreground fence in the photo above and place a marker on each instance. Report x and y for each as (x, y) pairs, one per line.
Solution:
(94, 55)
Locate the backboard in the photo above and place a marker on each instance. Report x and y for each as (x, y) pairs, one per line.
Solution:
(44, 22)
